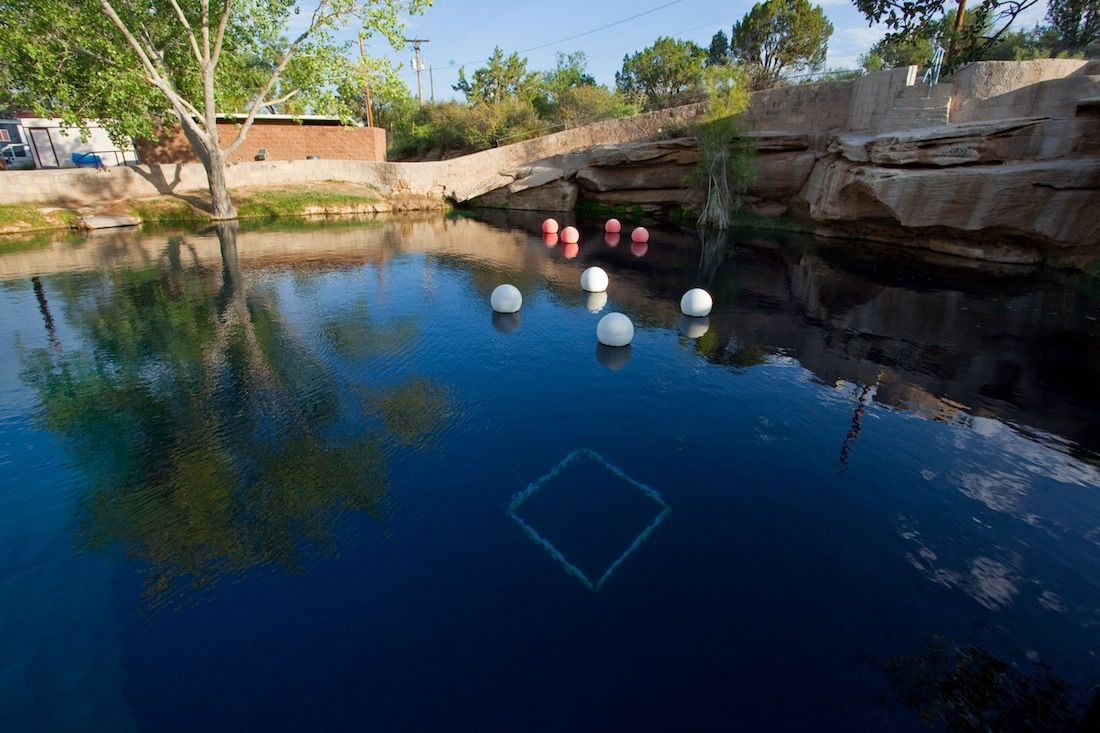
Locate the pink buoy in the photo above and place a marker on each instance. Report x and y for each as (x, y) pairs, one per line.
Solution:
(613, 226)
(549, 226)
(570, 250)
(638, 249)
(612, 239)
(549, 239)
(570, 235)
(640, 234)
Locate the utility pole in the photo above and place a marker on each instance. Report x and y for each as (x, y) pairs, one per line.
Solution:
(960, 19)
(431, 82)
(366, 82)
(418, 64)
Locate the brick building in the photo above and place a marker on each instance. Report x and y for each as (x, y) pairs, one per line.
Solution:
(275, 137)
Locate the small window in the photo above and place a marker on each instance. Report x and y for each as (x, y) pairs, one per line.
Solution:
(5, 136)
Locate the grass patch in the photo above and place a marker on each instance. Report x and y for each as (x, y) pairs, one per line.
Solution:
(18, 218)
(274, 203)
(167, 210)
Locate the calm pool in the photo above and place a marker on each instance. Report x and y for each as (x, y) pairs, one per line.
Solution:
(301, 478)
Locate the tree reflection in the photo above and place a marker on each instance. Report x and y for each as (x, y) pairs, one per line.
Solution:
(968, 688)
(213, 438)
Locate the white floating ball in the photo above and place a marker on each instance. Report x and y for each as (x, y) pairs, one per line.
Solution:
(596, 302)
(594, 280)
(696, 303)
(615, 329)
(506, 299)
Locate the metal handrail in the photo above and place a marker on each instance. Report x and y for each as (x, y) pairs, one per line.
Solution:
(96, 156)
(932, 73)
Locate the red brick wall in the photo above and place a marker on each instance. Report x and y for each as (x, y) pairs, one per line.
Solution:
(283, 140)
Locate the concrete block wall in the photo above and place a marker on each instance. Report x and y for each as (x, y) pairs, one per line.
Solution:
(804, 108)
(282, 139)
(992, 90)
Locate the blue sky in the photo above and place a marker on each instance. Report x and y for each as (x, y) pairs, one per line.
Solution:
(465, 31)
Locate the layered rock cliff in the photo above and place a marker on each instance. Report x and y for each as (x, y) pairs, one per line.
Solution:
(1020, 189)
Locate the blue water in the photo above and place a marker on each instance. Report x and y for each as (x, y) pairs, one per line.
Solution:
(262, 480)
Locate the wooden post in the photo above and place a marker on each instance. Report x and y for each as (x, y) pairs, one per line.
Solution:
(366, 84)
(960, 17)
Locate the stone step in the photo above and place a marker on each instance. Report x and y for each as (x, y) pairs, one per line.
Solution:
(910, 112)
(900, 120)
(923, 103)
(920, 91)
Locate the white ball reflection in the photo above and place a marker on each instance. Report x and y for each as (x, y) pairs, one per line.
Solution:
(693, 328)
(507, 322)
(506, 299)
(613, 357)
(595, 302)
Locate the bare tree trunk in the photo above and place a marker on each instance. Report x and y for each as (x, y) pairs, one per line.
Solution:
(221, 206)
(212, 158)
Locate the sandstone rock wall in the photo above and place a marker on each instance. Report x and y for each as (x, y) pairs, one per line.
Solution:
(1014, 178)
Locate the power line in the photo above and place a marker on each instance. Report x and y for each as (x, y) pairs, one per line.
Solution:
(570, 38)
(674, 33)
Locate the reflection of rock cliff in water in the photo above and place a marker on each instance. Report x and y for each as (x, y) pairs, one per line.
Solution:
(944, 341)
(1024, 351)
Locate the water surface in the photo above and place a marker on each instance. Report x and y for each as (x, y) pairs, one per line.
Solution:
(267, 479)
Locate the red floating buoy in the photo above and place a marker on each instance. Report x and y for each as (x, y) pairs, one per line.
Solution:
(640, 234)
(570, 235)
(549, 226)
(613, 226)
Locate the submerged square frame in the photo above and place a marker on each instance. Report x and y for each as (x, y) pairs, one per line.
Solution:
(518, 499)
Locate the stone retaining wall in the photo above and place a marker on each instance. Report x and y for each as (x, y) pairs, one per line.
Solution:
(459, 179)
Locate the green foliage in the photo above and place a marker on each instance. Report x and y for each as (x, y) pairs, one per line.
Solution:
(933, 20)
(134, 64)
(779, 37)
(725, 161)
(668, 73)
(718, 53)
(503, 77)
(447, 129)
(894, 52)
(565, 96)
(1075, 23)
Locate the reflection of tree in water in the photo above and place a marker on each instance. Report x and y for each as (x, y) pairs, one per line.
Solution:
(967, 688)
(210, 434)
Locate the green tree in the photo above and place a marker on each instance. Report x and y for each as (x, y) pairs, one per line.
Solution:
(667, 73)
(502, 77)
(1075, 22)
(133, 63)
(718, 53)
(570, 95)
(892, 53)
(969, 40)
(725, 160)
(394, 107)
(778, 37)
